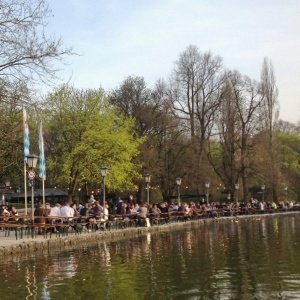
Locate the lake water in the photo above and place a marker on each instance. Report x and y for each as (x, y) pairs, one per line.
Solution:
(255, 258)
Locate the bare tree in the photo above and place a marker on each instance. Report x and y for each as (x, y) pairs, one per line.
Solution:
(247, 100)
(26, 56)
(270, 114)
(184, 86)
(11, 95)
(223, 151)
(26, 52)
(286, 126)
(195, 92)
(133, 99)
(237, 124)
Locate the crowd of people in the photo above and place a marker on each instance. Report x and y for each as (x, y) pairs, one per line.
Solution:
(93, 211)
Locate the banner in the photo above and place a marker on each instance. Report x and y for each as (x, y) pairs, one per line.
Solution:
(26, 134)
(42, 163)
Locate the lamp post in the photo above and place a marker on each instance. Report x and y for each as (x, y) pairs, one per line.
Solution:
(229, 197)
(263, 187)
(178, 182)
(237, 186)
(147, 177)
(7, 183)
(79, 196)
(18, 193)
(286, 193)
(7, 187)
(31, 163)
(207, 185)
(104, 171)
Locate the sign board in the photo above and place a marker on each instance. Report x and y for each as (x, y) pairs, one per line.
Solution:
(31, 174)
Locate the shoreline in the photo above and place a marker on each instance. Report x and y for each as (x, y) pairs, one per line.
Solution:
(10, 246)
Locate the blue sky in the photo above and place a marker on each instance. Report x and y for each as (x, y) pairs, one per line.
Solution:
(118, 38)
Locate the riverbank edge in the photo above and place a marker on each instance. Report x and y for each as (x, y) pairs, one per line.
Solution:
(26, 247)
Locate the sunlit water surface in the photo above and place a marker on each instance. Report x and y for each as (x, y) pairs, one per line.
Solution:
(255, 258)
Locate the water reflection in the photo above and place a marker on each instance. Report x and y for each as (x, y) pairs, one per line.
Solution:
(31, 283)
(254, 258)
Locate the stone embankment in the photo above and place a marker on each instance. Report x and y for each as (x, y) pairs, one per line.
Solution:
(9, 245)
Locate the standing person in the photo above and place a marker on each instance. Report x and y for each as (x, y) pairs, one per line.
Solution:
(105, 212)
(261, 206)
(142, 214)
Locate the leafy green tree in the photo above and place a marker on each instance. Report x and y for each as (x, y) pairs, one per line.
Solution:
(287, 153)
(162, 154)
(83, 133)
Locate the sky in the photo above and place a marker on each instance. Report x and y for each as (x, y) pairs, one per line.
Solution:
(119, 38)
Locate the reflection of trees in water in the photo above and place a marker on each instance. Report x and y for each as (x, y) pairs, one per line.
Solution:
(229, 258)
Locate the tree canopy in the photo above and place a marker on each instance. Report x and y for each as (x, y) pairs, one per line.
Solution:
(83, 132)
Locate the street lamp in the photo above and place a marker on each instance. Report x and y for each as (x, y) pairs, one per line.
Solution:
(104, 171)
(178, 182)
(286, 193)
(147, 177)
(237, 186)
(229, 197)
(18, 193)
(207, 185)
(31, 163)
(79, 196)
(7, 183)
(263, 187)
(7, 187)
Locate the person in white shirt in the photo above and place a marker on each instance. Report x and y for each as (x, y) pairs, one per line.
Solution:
(55, 211)
(66, 211)
(106, 212)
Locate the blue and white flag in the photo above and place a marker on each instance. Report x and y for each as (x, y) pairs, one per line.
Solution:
(42, 163)
(26, 134)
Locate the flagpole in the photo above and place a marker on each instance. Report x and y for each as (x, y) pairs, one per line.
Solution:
(25, 186)
(43, 181)
(42, 167)
(26, 153)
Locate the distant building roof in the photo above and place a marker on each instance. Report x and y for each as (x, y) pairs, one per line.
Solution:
(49, 192)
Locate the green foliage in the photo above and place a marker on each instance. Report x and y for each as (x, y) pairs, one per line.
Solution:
(108, 141)
(288, 151)
(84, 133)
(11, 148)
(216, 153)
